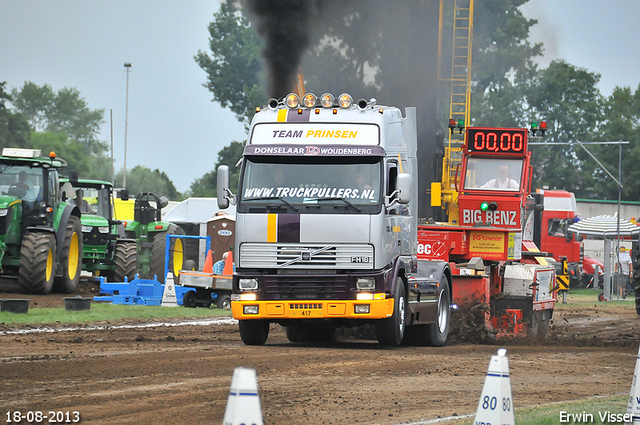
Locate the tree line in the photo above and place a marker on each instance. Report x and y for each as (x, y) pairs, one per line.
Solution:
(37, 117)
(363, 49)
(358, 47)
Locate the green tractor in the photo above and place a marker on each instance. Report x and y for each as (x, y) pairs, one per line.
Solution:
(107, 252)
(40, 233)
(150, 232)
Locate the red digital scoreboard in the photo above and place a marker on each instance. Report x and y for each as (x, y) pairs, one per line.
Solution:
(496, 141)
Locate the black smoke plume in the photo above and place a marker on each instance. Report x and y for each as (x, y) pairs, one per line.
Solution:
(284, 25)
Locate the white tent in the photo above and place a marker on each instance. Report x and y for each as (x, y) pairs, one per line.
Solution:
(604, 227)
(197, 211)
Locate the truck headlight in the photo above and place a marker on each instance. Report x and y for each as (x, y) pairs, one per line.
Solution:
(86, 229)
(103, 229)
(4, 212)
(365, 283)
(248, 284)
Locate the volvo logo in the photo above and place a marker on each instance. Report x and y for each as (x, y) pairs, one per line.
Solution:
(306, 255)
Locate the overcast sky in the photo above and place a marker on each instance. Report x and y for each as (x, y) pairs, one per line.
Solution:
(172, 123)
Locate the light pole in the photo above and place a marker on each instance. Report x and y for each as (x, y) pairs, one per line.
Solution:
(127, 67)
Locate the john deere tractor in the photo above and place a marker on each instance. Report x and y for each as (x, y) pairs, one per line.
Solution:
(150, 232)
(40, 233)
(107, 252)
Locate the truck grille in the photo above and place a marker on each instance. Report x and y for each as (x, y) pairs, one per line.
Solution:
(308, 256)
(307, 287)
(95, 238)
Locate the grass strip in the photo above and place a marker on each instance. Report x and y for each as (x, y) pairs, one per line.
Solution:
(105, 312)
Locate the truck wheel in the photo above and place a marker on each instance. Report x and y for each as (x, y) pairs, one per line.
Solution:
(637, 293)
(37, 262)
(297, 333)
(189, 299)
(125, 261)
(176, 254)
(391, 330)
(223, 302)
(254, 332)
(70, 258)
(435, 334)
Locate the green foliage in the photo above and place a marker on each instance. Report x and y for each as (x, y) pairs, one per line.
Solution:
(142, 179)
(233, 67)
(206, 186)
(357, 49)
(61, 112)
(14, 128)
(569, 100)
(62, 122)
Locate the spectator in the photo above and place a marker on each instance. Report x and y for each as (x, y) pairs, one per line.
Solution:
(624, 259)
(218, 267)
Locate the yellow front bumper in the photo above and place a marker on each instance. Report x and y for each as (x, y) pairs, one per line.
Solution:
(313, 309)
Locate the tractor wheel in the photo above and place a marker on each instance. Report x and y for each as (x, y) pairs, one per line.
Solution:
(70, 258)
(125, 261)
(176, 253)
(37, 262)
(189, 265)
(391, 330)
(254, 332)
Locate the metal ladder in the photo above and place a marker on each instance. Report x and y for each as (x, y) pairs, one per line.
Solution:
(460, 87)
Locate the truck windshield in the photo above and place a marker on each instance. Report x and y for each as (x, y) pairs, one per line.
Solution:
(322, 182)
(493, 174)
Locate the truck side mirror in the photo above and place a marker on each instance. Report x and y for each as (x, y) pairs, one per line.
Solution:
(403, 186)
(223, 187)
(124, 194)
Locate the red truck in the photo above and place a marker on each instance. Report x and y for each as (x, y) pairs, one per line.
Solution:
(561, 211)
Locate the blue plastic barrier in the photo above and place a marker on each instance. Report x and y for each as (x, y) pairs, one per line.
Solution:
(136, 292)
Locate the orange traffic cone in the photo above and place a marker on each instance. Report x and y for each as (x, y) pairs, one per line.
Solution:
(228, 265)
(208, 263)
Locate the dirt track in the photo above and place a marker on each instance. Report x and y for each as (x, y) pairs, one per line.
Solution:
(182, 374)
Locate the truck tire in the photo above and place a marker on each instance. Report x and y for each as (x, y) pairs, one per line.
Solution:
(254, 332)
(224, 302)
(391, 331)
(176, 254)
(125, 258)
(297, 333)
(189, 299)
(37, 262)
(435, 334)
(70, 258)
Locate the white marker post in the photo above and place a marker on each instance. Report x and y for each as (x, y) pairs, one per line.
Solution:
(496, 404)
(243, 405)
(633, 407)
(169, 298)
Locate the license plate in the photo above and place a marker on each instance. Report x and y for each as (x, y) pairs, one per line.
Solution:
(306, 310)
